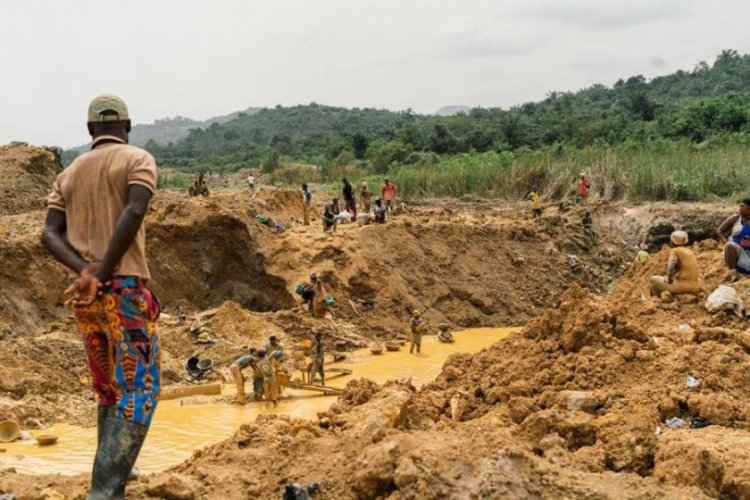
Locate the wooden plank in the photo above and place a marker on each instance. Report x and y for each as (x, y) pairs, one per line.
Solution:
(315, 388)
(175, 392)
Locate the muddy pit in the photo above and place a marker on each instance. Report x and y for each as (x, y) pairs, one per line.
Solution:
(567, 408)
(182, 426)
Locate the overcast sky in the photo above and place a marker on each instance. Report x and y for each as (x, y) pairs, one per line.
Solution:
(201, 58)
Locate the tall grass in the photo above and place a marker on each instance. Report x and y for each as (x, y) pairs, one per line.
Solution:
(659, 171)
(174, 179)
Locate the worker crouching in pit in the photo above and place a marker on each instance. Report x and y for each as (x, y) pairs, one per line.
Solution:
(683, 274)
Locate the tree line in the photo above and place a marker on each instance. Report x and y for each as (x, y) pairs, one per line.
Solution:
(705, 107)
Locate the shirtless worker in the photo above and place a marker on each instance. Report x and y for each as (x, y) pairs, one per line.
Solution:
(683, 273)
(94, 227)
(737, 249)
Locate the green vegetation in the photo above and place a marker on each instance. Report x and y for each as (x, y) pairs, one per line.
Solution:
(164, 132)
(683, 136)
(657, 170)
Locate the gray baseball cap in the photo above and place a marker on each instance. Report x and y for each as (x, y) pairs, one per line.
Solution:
(108, 108)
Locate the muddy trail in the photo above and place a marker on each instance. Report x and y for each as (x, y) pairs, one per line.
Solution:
(574, 406)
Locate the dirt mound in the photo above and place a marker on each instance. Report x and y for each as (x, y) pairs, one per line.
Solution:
(652, 223)
(27, 173)
(475, 267)
(369, 454)
(204, 253)
(593, 382)
(32, 282)
(574, 406)
(44, 380)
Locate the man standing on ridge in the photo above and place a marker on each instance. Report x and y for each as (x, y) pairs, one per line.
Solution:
(583, 188)
(351, 205)
(364, 196)
(388, 192)
(306, 200)
(536, 202)
(94, 227)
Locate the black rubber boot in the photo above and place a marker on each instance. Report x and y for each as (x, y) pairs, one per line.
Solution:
(120, 443)
(103, 412)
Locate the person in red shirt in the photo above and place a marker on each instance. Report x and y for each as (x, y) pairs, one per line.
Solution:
(388, 193)
(583, 188)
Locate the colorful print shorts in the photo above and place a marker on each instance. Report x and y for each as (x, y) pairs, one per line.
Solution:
(122, 348)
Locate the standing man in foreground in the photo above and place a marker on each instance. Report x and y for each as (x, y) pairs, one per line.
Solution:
(94, 227)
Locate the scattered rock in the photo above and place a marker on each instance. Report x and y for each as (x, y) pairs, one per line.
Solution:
(375, 469)
(406, 473)
(579, 400)
(173, 487)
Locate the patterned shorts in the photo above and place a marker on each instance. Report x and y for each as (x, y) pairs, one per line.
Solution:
(122, 348)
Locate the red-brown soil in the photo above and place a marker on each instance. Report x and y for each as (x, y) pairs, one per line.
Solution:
(569, 408)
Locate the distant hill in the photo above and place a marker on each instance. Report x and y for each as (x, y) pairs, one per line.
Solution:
(164, 131)
(451, 110)
(710, 102)
(174, 129)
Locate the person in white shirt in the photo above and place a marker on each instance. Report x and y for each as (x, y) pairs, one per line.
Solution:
(251, 181)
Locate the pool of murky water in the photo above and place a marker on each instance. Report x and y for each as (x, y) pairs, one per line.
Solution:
(182, 426)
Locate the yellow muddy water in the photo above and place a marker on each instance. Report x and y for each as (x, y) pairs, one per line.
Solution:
(180, 427)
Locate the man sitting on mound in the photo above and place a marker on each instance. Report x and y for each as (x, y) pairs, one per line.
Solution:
(683, 273)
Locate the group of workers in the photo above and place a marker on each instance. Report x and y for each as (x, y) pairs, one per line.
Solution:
(265, 364)
(374, 209)
(582, 195)
(683, 271)
(199, 187)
